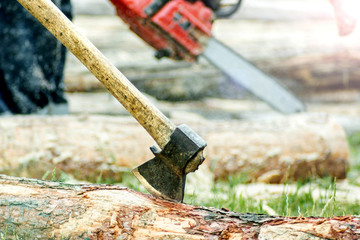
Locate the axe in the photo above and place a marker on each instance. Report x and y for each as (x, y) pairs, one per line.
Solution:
(181, 148)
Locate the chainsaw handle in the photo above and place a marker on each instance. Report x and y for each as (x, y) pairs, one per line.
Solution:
(155, 123)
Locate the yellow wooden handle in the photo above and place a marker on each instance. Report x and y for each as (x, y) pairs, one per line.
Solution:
(155, 123)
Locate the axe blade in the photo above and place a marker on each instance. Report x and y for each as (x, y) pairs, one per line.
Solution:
(160, 180)
(165, 175)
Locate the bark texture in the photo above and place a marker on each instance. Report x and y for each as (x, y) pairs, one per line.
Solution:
(51, 210)
(89, 146)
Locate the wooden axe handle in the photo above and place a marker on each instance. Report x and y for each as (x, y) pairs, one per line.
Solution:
(155, 123)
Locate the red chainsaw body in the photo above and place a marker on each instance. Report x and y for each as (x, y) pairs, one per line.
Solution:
(178, 29)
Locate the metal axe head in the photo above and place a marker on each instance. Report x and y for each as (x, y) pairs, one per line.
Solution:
(165, 175)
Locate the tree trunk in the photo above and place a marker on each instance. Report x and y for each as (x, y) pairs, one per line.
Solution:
(35, 209)
(89, 147)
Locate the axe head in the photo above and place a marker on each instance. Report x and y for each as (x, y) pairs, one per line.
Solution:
(165, 175)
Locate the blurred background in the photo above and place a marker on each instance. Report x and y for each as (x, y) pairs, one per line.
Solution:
(295, 41)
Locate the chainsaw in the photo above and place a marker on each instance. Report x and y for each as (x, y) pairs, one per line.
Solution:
(181, 30)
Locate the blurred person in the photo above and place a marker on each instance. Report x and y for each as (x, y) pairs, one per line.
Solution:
(31, 63)
(346, 14)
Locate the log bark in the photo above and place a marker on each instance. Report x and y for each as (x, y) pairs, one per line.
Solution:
(35, 209)
(86, 147)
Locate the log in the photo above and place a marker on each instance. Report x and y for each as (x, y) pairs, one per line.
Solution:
(35, 209)
(273, 151)
(87, 147)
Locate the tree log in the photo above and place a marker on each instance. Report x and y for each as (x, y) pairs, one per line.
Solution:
(35, 209)
(87, 147)
(273, 151)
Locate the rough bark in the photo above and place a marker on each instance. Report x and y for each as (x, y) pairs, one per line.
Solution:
(89, 146)
(35, 209)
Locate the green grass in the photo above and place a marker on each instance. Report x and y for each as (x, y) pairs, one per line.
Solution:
(312, 198)
(3, 234)
(304, 203)
(224, 195)
(315, 197)
(6, 234)
(55, 175)
(354, 171)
